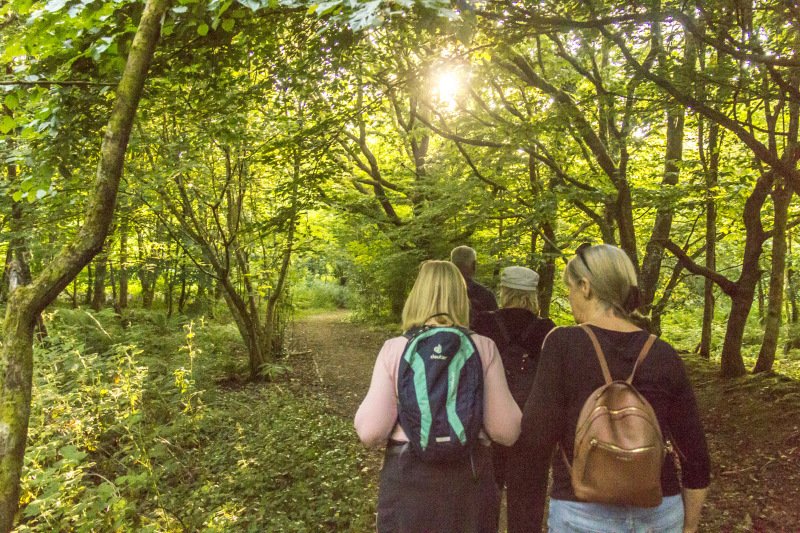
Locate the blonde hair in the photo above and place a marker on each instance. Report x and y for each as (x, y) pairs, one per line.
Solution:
(611, 277)
(439, 288)
(519, 298)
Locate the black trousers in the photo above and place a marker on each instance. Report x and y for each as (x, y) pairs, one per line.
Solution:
(415, 496)
(513, 469)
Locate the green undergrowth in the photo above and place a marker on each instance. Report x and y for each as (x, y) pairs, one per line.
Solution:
(314, 295)
(129, 432)
(681, 329)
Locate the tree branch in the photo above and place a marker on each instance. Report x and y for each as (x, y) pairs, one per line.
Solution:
(727, 286)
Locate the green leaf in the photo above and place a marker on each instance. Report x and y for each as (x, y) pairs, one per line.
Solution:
(71, 453)
(54, 5)
(11, 101)
(202, 30)
(224, 7)
(252, 4)
(34, 508)
(227, 24)
(7, 125)
(327, 7)
(17, 196)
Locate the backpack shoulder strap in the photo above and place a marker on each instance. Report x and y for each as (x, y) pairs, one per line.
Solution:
(645, 349)
(600, 357)
(501, 326)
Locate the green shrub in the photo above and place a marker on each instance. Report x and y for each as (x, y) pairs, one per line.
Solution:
(266, 461)
(318, 294)
(127, 440)
(85, 410)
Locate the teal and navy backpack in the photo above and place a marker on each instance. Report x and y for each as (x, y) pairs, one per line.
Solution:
(440, 392)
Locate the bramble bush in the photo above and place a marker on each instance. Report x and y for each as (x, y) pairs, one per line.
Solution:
(126, 440)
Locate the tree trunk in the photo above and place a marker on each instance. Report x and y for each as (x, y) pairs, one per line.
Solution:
(169, 282)
(100, 268)
(274, 298)
(731, 362)
(627, 230)
(89, 284)
(547, 270)
(182, 298)
(781, 196)
(662, 226)
(712, 174)
(249, 329)
(75, 293)
(4, 280)
(123, 264)
(114, 299)
(791, 291)
(16, 370)
(149, 271)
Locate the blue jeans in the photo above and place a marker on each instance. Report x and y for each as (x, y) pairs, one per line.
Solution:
(578, 517)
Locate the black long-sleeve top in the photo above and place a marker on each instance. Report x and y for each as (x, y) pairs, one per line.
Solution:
(516, 322)
(569, 372)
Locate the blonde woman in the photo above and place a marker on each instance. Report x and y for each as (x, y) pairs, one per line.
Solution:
(518, 332)
(415, 495)
(602, 293)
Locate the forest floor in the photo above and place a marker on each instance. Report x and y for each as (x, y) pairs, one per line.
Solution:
(752, 423)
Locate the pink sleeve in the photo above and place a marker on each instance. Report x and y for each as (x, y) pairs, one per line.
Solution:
(501, 415)
(377, 415)
(376, 418)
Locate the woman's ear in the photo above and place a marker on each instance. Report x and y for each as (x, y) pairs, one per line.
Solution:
(586, 288)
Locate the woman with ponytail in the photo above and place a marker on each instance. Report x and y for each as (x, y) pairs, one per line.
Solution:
(603, 293)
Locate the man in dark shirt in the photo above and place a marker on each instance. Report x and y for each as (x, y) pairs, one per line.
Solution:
(481, 299)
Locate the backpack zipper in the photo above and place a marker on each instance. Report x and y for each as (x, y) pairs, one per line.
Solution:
(614, 448)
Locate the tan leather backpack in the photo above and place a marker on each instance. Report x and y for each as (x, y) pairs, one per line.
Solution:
(619, 448)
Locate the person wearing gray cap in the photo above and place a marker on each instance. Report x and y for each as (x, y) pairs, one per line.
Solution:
(518, 332)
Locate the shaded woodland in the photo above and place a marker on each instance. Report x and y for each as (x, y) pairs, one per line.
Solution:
(230, 163)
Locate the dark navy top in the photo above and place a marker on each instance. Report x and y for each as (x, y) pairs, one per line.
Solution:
(481, 299)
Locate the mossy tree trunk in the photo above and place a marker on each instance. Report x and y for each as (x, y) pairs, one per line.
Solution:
(781, 196)
(16, 364)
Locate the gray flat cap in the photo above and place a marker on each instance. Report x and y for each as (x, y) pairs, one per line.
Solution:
(519, 277)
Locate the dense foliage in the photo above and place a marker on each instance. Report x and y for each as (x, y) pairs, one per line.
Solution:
(290, 153)
(131, 431)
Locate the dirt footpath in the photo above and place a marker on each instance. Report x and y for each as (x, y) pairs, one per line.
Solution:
(341, 357)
